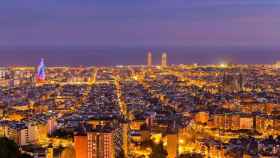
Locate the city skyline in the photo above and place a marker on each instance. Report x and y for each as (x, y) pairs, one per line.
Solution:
(139, 79)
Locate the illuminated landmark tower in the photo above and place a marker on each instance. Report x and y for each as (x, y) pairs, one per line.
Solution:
(149, 59)
(41, 75)
(164, 60)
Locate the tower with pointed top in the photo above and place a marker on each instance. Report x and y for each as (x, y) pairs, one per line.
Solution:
(164, 59)
(149, 59)
(41, 75)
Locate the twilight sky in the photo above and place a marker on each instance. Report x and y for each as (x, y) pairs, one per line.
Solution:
(140, 22)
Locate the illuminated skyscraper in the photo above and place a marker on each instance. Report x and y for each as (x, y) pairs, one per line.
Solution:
(164, 60)
(149, 59)
(41, 75)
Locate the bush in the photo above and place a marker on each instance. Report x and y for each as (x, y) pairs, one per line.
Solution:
(8, 148)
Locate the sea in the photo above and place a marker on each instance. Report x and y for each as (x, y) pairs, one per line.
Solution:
(135, 55)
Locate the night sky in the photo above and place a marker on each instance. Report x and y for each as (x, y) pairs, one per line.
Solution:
(145, 23)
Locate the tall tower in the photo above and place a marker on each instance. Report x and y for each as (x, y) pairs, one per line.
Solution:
(41, 75)
(164, 59)
(149, 59)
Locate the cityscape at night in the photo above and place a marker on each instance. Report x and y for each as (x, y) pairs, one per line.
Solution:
(140, 79)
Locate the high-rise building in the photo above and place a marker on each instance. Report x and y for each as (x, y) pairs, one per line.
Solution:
(81, 146)
(100, 145)
(172, 145)
(41, 75)
(164, 60)
(51, 125)
(32, 133)
(100, 142)
(21, 133)
(149, 59)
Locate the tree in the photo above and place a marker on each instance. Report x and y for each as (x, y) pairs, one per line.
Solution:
(25, 156)
(8, 148)
(158, 151)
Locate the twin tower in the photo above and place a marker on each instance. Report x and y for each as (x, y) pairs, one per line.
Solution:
(163, 59)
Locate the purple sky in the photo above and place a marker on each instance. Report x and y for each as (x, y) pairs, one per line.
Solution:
(140, 22)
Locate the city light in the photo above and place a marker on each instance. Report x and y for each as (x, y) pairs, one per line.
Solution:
(145, 79)
(223, 65)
